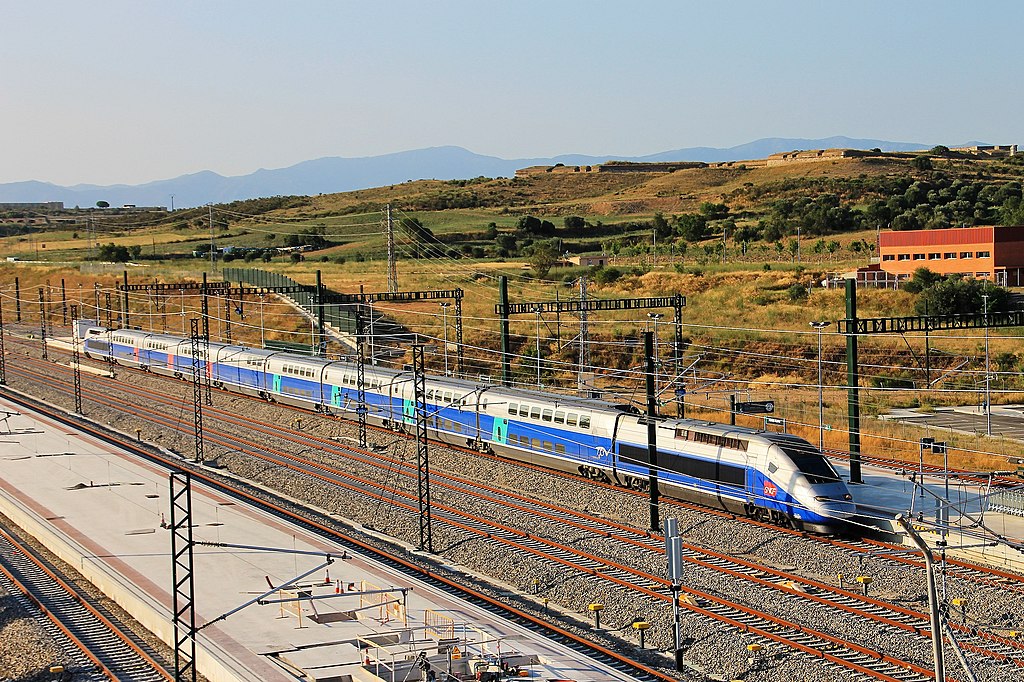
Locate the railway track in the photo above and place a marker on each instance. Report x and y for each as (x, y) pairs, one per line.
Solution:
(800, 638)
(313, 521)
(983, 575)
(109, 649)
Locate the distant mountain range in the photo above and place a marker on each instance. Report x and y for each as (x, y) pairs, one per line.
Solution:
(337, 174)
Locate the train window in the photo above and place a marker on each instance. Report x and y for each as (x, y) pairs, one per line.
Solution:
(811, 463)
(584, 421)
(458, 427)
(535, 443)
(559, 448)
(546, 415)
(534, 413)
(559, 417)
(570, 420)
(447, 396)
(772, 468)
(513, 408)
(547, 445)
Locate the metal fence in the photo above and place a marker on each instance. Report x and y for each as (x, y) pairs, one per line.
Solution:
(1007, 501)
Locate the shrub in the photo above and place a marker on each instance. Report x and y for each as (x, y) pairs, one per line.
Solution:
(607, 275)
(797, 293)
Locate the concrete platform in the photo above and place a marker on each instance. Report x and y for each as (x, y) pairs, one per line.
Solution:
(103, 511)
(973, 522)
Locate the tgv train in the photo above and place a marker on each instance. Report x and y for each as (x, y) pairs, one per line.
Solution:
(765, 475)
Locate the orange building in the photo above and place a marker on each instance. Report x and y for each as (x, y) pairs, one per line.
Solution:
(995, 252)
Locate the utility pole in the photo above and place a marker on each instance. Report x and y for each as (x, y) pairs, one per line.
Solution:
(76, 362)
(361, 374)
(819, 326)
(444, 323)
(988, 375)
(126, 324)
(422, 453)
(506, 362)
(853, 382)
(652, 433)
(197, 388)
(3, 352)
(389, 230)
(206, 339)
(584, 346)
(212, 265)
(42, 322)
(183, 616)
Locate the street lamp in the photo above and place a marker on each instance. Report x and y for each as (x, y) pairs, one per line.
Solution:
(444, 322)
(537, 310)
(820, 325)
(988, 375)
(657, 364)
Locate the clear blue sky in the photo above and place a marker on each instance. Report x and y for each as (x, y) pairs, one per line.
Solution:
(128, 92)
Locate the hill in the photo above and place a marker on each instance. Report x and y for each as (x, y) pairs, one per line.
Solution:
(337, 174)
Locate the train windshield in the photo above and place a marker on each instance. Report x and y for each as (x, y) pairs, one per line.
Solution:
(811, 463)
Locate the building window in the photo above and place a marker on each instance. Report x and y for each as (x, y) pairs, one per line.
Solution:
(983, 254)
(918, 256)
(888, 256)
(904, 256)
(934, 256)
(965, 254)
(949, 256)
(981, 275)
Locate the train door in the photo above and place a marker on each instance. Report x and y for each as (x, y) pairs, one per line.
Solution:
(409, 411)
(337, 396)
(499, 434)
(276, 382)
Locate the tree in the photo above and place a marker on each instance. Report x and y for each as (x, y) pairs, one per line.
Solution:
(544, 256)
(574, 222)
(692, 228)
(506, 243)
(660, 225)
(921, 163)
(113, 253)
(421, 235)
(530, 225)
(102, 204)
(955, 295)
(939, 150)
(492, 232)
(135, 251)
(921, 280)
(713, 211)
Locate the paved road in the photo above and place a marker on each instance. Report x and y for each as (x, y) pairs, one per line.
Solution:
(1007, 420)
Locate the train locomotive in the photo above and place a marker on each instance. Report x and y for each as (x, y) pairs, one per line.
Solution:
(770, 476)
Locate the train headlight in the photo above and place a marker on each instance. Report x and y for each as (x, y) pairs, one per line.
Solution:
(826, 498)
